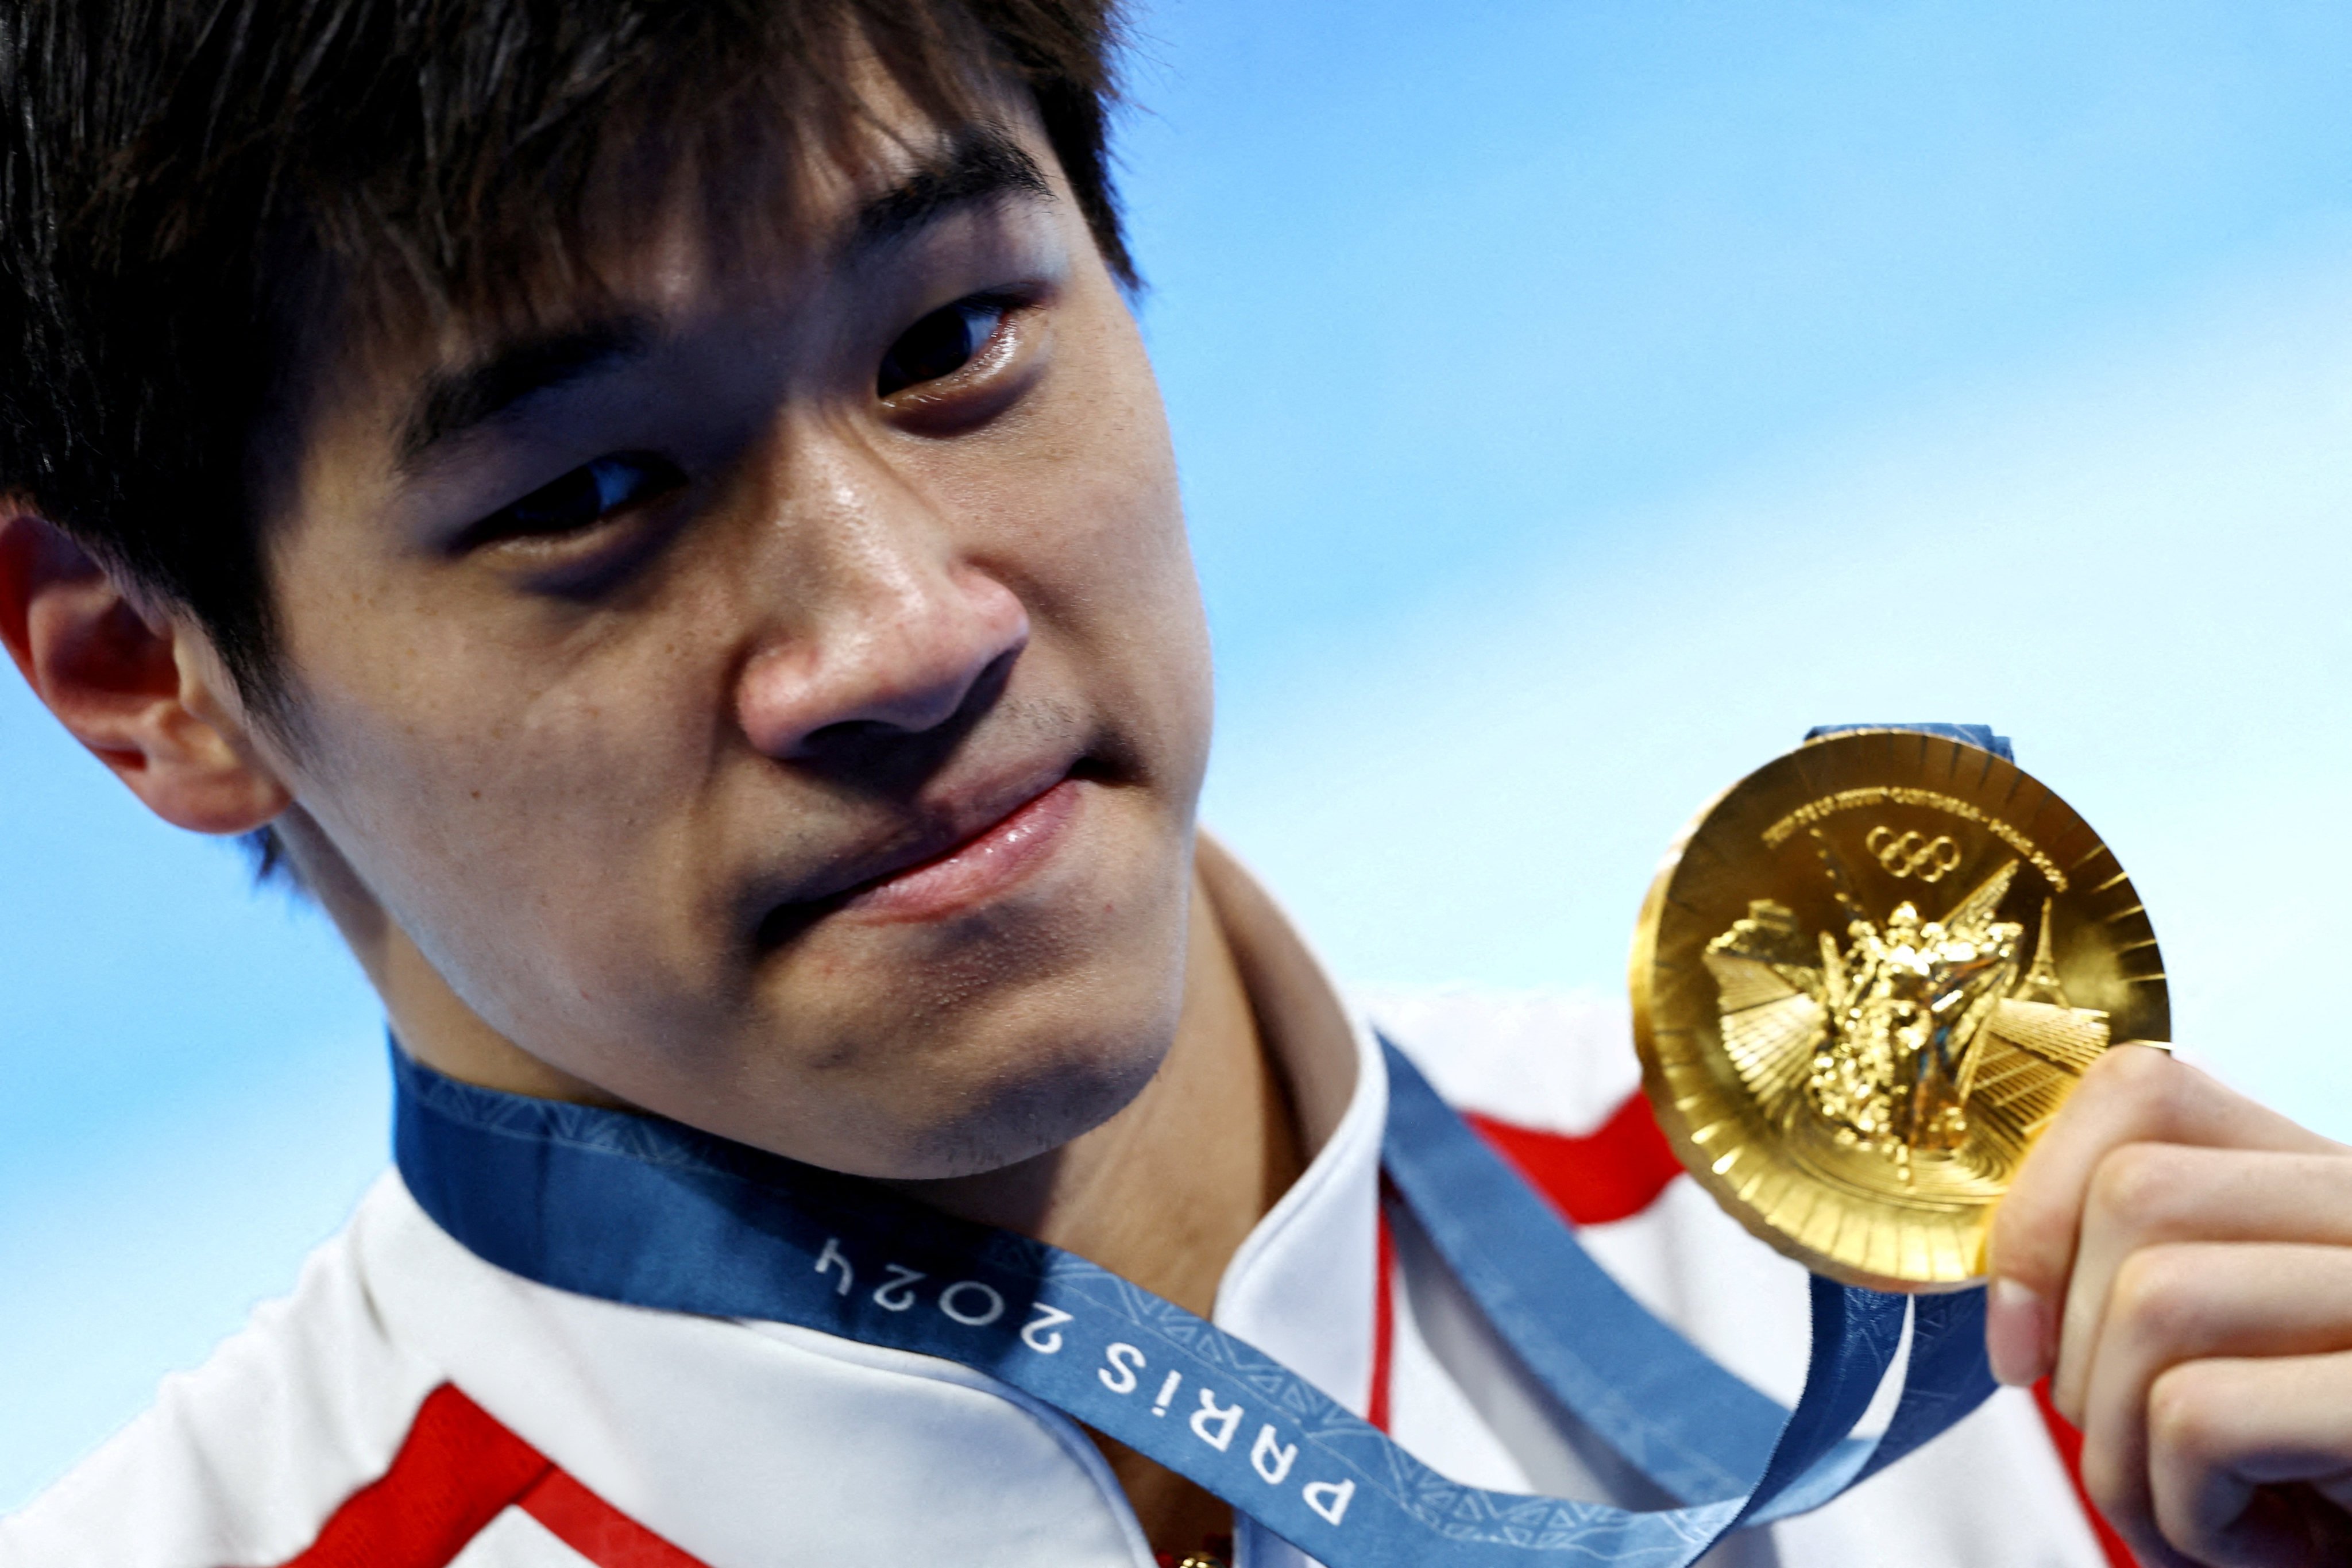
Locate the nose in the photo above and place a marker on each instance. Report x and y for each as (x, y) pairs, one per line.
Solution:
(897, 629)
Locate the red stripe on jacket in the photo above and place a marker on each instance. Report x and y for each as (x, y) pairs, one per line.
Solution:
(2069, 1444)
(1612, 1172)
(457, 1470)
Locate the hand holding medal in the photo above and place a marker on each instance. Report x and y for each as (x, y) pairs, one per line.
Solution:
(1877, 989)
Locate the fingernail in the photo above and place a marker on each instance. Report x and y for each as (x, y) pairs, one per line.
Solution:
(2017, 1333)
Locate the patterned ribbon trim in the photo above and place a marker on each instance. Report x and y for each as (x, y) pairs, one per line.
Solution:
(634, 1209)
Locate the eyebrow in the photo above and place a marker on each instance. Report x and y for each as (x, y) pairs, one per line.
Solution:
(455, 402)
(976, 163)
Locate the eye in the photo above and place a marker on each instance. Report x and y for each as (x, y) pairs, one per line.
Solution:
(579, 500)
(940, 344)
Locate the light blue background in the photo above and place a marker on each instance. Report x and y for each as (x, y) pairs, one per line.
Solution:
(1578, 400)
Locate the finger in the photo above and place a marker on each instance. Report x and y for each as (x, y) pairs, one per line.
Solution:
(2250, 1461)
(2144, 1194)
(2179, 1303)
(2130, 1095)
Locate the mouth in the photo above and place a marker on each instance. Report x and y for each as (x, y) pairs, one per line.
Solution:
(976, 854)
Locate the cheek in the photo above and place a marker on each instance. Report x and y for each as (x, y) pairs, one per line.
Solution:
(1090, 527)
(1150, 619)
(520, 821)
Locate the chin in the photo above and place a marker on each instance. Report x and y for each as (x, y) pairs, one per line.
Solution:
(1037, 1096)
(955, 1051)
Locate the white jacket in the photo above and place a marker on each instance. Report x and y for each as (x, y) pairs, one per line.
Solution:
(410, 1406)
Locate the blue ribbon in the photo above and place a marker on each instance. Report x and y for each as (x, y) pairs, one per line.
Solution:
(1981, 736)
(636, 1209)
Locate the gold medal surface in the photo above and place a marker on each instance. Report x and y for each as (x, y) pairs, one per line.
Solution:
(1865, 978)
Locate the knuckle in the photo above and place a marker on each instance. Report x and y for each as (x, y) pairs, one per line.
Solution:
(2153, 1298)
(2137, 1182)
(2150, 1081)
(2188, 1411)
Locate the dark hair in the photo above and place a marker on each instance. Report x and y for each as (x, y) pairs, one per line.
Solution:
(187, 184)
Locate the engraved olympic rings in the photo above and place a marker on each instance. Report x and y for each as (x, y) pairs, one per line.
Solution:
(1914, 854)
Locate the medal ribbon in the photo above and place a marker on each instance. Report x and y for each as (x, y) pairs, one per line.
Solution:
(636, 1209)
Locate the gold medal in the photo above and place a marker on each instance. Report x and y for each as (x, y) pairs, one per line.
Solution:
(1865, 978)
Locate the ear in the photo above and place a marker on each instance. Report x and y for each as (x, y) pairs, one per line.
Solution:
(141, 691)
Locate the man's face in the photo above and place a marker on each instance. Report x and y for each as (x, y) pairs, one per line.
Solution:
(778, 697)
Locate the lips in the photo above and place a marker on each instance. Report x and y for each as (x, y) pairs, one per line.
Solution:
(981, 866)
(987, 839)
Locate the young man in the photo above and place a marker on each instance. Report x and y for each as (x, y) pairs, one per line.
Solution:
(659, 513)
